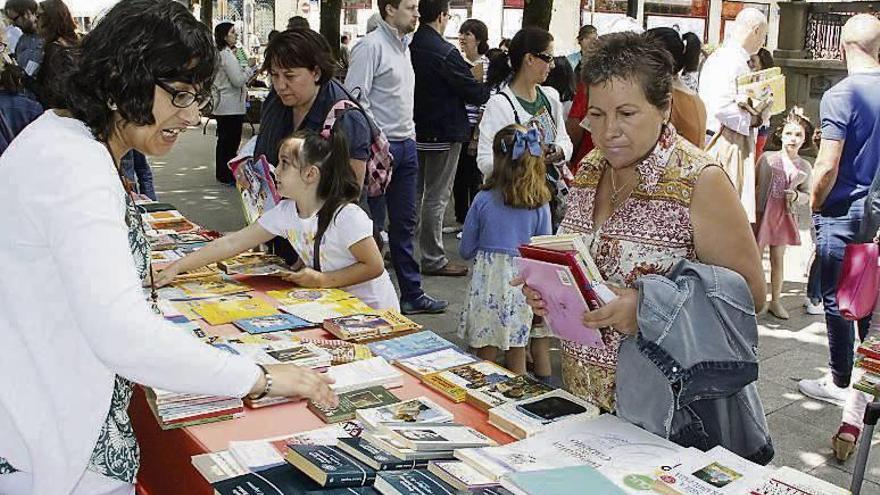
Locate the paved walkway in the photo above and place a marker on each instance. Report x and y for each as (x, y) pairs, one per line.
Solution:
(789, 350)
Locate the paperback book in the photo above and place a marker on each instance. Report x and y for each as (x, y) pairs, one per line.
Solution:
(414, 482)
(438, 437)
(272, 323)
(454, 383)
(460, 475)
(203, 288)
(434, 362)
(253, 263)
(364, 374)
(342, 352)
(528, 417)
(410, 345)
(420, 410)
(392, 445)
(350, 402)
(279, 480)
(370, 326)
(375, 457)
(218, 466)
(317, 312)
(512, 389)
(219, 313)
(255, 185)
(329, 466)
(301, 295)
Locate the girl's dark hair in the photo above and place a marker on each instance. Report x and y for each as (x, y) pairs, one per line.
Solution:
(11, 78)
(632, 57)
(338, 184)
(477, 28)
(56, 23)
(522, 182)
(527, 40)
(561, 78)
(693, 48)
(796, 116)
(301, 48)
(671, 40)
(221, 31)
(135, 44)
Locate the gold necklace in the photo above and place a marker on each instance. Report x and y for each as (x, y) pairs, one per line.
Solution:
(615, 191)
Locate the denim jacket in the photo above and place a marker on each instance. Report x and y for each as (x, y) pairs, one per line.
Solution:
(690, 373)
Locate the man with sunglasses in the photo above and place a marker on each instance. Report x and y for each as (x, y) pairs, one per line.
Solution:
(444, 83)
(28, 50)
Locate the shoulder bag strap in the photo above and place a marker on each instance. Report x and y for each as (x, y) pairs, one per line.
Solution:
(512, 106)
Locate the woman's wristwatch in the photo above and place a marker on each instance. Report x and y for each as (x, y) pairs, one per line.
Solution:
(268, 388)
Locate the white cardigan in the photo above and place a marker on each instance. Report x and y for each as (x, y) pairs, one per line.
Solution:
(230, 91)
(72, 310)
(499, 114)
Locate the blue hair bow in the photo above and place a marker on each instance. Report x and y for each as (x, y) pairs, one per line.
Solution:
(526, 141)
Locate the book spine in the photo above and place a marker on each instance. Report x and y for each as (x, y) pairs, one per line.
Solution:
(342, 480)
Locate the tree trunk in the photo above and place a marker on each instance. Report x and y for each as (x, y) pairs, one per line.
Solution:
(331, 11)
(537, 13)
(207, 13)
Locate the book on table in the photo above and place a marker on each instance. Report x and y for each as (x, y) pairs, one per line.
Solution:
(375, 457)
(272, 323)
(207, 287)
(363, 374)
(317, 312)
(420, 410)
(392, 445)
(176, 410)
(350, 402)
(442, 436)
(279, 480)
(280, 352)
(528, 417)
(559, 481)
(788, 481)
(406, 346)
(370, 326)
(434, 362)
(219, 313)
(329, 466)
(342, 352)
(513, 389)
(460, 475)
(414, 482)
(299, 295)
(218, 466)
(454, 383)
(254, 263)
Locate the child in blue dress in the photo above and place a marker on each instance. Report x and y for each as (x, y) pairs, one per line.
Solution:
(512, 207)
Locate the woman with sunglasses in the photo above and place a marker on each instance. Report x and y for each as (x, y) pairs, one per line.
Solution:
(76, 329)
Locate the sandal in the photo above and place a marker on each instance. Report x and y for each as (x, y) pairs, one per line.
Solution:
(844, 448)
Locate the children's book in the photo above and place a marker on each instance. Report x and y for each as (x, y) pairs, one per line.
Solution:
(203, 288)
(317, 312)
(254, 263)
(255, 185)
(300, 295)
(564, 301)
(219, 313)
(420, 410)
(186, 307)
(454, 383)
(272, 323)
(370, 326)
(342, 352)
(410, 345)
(350, 402)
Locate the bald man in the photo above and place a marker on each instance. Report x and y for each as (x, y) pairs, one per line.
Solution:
(848, 159)
(730, 128)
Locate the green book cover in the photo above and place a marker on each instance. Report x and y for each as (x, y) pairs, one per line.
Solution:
(350, 402)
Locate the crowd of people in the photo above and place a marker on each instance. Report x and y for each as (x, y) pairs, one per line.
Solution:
(639, 141)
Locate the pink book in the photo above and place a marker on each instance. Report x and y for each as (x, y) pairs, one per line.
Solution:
(565, 302)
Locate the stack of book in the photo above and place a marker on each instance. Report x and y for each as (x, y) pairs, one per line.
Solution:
(363, 374)
(868, 359)
(528, 417)
(168, 221)
(174, 410)
(409, 345)
(371, 326)
(561, 269)
(454, 383)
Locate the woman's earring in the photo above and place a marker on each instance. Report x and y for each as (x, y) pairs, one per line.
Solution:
(112, 106)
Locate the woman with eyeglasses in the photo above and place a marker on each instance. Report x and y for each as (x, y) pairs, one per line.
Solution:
(77, 331)
(230, 94)
(523, 100)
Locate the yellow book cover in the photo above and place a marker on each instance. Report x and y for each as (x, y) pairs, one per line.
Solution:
(452, 391)
(301, 295)
(205, 271)
(401, 323)
(219, 313)
(211, 287)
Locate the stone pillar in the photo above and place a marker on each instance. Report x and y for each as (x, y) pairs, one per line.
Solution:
(564, 24)
(792, 30)
(773, 28)
(715, 22)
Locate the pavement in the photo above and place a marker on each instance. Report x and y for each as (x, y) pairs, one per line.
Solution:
(788, 350)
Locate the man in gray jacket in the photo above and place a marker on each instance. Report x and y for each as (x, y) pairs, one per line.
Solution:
(382, 74)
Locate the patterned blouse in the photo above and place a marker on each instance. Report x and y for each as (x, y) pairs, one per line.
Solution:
(116, 454)
(648, 234)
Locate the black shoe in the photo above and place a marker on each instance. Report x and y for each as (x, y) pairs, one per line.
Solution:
(425, 304)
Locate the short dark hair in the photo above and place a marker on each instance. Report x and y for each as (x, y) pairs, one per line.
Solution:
(766, 58)
(587, 30)
(430, 10)
(135, 44)
(301, 48)
(385, 3)
(527, 40)
(11, 78)
(685, 51)
(298, 22)
(477, 28)
(631, 57)
(221, 31)
(272, 34)
(21, 6)
(56, 22)
(562, 79)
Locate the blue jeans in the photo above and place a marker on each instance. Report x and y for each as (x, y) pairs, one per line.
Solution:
(402, 215)
(836, 227)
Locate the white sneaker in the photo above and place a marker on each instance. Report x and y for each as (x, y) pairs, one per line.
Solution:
(824, 389)
(814, 308)
(458, 236)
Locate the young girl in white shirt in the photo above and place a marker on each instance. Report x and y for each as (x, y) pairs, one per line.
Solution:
(315, 176)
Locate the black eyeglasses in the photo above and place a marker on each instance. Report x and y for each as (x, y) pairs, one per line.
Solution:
(545, 57)
(181, 98)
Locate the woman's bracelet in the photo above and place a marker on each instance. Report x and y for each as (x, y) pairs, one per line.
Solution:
(268, 387)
